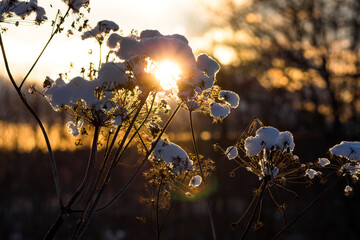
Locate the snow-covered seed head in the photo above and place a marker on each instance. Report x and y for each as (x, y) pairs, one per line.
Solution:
(173, 155)
(195, 181)
(311, 173)
(230, 98)
(269, 138)
(323, 162)
(349, 150)
(231, 152)
(75, 127)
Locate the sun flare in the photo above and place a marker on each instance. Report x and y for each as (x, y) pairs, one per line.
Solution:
(168, 72)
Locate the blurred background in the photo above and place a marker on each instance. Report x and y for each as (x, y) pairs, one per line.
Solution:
(295, 65)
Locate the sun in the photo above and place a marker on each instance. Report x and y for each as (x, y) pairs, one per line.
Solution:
(168, 72)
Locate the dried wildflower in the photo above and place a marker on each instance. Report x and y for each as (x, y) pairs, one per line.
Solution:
(345, 160)
(270, 157)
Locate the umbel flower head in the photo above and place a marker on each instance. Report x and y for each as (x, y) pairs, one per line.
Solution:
(270, 154)
(22, 9)
(95, 101)
(197, 75)
(345, 160)
(173, 155)
(120, 85)
(75, 5)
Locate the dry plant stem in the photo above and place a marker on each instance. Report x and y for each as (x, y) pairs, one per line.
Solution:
(90, 171)
(172, 205)
(55, 227)
(158, 229)
(101, 172)
(322, 194)
(90, 209)
(262, 190)
(137, 130)
(36, 117)
(91, 163)
(212, 225)
(246, 211)
(43, 50)
(123, 189)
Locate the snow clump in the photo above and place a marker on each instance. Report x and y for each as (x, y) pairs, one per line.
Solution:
(195, 181)
(269, 138)
(173, 155)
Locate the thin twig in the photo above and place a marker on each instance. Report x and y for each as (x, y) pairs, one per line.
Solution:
(28, 107)
(212, 225)
(322, 194)
(262, 190)
(123, 189)
(157, 210)
(43, 50)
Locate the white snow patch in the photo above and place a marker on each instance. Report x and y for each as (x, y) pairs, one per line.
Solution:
(173, 155)
(231, 152)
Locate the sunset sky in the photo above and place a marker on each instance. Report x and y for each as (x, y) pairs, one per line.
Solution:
(187, 17)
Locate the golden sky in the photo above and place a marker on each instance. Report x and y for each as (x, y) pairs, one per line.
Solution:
(24, 43)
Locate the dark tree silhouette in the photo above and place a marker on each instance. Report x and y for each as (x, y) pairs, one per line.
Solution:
(308, 47)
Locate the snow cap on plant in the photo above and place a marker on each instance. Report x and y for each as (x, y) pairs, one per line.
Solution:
(349, 150)
(75, 127)
(196, 75)
(195, 181)
(75, 5)
(230, 98)
(173, 155)
(219, 111)
(22, 9)
(269, 138)
(231, 152)
(323, 162)
(95, 98)
(102, 28)
(311, 173)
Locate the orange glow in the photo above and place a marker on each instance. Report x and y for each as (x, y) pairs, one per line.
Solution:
(167, 72)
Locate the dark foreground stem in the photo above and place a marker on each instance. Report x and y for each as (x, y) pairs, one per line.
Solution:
(55, 227)
(123, 189)
(262, 190)
(212, 225)
(158, 229)
(37, 119)
(322, 194)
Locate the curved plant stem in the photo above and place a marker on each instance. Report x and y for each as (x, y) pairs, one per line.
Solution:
(158, 229)
(36, 117)
(322, 194)
(55, 227)
(43, 50)
(89, 169)
(262, 190)
(90, 210)
(212, 225)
